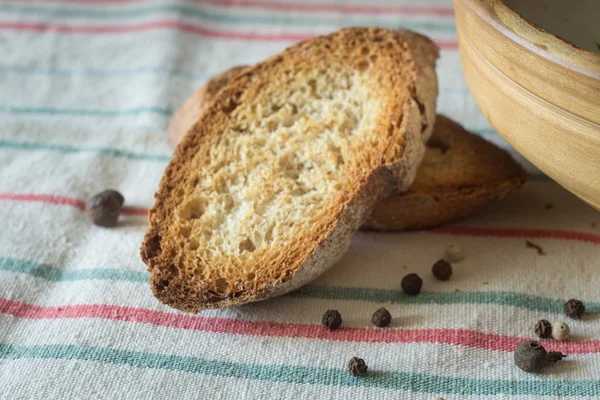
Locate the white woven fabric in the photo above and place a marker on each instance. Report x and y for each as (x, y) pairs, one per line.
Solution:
(86, 90)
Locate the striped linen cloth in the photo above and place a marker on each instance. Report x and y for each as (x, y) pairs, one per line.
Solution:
(86, 87)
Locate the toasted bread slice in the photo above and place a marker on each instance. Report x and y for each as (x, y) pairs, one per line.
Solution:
(460, 173)
(265, 191)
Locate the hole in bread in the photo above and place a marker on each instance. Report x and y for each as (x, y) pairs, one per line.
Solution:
(247, 245)
(363, 65)
(269, 233)
(230, 105)
(251, 276)
(194, 244)
(221, 285)
(185, 231)
(192, 209)
(152, 246)
(365, 50)
(173, 271)
(373, 58)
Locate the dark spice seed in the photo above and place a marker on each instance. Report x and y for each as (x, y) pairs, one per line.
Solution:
(381, 317)
(332, 319)
(530, 356)
(357, 367)
(104, 208)
(543, 328)
(442, 270)
(574, 309)
(411, 284)
(554, 356)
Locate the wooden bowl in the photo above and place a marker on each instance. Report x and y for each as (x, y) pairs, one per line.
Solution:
(541, 93)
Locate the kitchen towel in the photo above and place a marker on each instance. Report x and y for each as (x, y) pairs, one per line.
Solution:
(86, 89)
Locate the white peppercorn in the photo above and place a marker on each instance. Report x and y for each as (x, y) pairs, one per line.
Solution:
(561, 331)
(454, 253)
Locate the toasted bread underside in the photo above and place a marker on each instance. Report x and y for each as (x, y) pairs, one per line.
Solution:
(265, 191)
(460, 174)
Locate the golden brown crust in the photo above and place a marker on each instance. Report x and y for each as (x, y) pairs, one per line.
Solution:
(460, 173)
(374, 173)
(190, 111)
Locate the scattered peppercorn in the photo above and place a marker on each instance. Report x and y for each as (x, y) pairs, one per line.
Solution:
(543, 328)
(411, 284)
(554, 356)
(381, 317)
(332, 319)
(454, 253)
(357, 367)
(530, 356)
(574, 309)
(104, 208)
(561, 331)
(442, 270)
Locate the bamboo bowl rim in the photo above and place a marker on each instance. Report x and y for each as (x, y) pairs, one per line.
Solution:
(548, 44)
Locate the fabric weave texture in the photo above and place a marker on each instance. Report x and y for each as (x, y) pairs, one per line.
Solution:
(86, 89)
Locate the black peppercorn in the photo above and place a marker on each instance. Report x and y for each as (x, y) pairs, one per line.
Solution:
(381, 317)
(104, 208)
(332, 319)
(574, 309)
(543, 329)
(442, 270)
(411, 284)
(530, 356)
(554, 356)
(357, 367)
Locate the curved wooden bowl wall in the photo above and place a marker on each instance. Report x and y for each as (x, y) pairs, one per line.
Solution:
(539, 92)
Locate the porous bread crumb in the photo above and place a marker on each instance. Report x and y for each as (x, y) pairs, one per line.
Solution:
(270, 172)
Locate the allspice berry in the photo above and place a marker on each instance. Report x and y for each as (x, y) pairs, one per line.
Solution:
(530, 356)
(454, 253)
(442, 270)
(543, 329)
(381, 317)
(561, 331)
(411, 284)
(357, 367)
(574, 309)
(332, 319)
(104, 208)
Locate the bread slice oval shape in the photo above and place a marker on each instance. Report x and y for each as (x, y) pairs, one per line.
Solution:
(265, 191)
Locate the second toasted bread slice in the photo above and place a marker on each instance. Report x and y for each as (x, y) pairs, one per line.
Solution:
(460, 174)
(266, 190)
